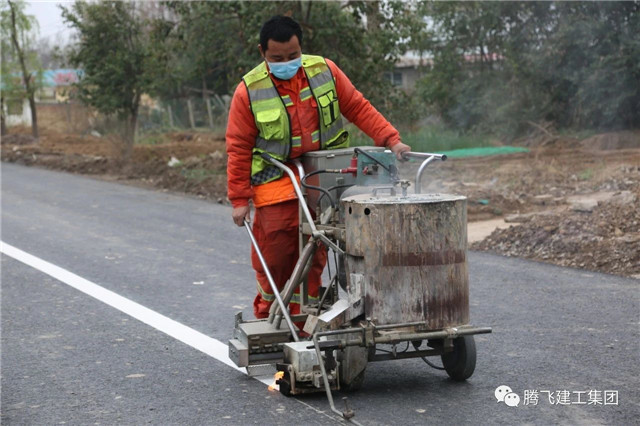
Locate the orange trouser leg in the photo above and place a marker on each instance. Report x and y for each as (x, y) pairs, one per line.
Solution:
(275, 228)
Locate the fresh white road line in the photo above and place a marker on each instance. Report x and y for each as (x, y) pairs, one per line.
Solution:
(208, 345)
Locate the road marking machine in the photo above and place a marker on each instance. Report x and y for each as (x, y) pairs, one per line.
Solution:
(399, 277)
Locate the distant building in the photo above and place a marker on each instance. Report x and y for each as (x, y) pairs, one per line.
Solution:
(407, 71)
(56, 87)
(410, 67)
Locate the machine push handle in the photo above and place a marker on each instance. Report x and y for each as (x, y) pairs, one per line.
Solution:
(412, 154)
(305, 209)
(428, 158)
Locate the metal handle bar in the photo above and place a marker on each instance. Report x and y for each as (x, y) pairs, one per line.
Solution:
(442, 157)
(428, 159)
(296, 187)
(305, 208)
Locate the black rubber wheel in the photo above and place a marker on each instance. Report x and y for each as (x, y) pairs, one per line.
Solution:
(461, 362)
(355, 384)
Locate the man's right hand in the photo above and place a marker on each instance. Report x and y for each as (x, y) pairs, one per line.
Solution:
(239, 214)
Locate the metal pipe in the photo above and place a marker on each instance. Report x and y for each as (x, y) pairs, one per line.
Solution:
(419, 174)
(401, 325)
(451, 332)
(274, 288)
(428, 159)
(325, 380)
(442, 334)
(325, 294)
(299, 166)
(296, 277)
(305, 208)
(296, 187)
(405, 355)
(443, 157)
(292, 282)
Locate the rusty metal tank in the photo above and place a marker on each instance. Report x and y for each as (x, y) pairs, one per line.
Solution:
(406, 257)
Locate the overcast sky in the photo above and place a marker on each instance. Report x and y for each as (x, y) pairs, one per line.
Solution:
(49, 18)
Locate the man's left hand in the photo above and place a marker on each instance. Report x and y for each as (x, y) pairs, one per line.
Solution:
(399, 149)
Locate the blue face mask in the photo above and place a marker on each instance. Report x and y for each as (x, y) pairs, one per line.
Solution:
(285, 70)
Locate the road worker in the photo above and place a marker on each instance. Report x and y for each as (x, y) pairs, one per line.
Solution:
(288, 105)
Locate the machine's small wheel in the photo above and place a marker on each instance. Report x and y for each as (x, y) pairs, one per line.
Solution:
(284, 384)
(461, 362)
(355, 384)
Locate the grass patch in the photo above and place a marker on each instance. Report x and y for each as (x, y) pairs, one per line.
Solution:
(577, 134)
(151, 139)
(428, 139)
(199, 174)
(586, 174)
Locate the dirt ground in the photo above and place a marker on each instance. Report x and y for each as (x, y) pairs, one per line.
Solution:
(569, 202)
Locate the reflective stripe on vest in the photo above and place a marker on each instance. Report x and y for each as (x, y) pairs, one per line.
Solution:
(273, 122)
(286, 99)
(305, 94)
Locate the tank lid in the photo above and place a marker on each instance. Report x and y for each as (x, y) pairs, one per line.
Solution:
(399, 199)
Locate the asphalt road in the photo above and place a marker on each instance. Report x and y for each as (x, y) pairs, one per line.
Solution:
(69, 358)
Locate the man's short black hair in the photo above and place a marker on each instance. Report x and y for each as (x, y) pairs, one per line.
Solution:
(281, 29)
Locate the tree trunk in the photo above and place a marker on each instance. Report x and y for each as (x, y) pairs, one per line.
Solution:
(170, 116)
(205, 98)
(129, 138)
(34, 115)
(190, 108)
(3, 124)
(26, 76)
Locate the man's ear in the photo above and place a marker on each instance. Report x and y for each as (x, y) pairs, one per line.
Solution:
(260, 49)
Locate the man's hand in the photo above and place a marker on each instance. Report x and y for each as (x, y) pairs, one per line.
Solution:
(399, 149)
(239, 214)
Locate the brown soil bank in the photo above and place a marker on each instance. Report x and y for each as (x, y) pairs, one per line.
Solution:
(570, 202)
(198, 166)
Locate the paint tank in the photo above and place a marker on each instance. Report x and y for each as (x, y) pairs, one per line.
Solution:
(407, 257)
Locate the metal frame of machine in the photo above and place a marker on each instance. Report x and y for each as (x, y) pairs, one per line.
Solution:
(340, 337)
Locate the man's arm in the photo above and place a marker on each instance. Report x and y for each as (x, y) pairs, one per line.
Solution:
(240, 140)
(360, 112)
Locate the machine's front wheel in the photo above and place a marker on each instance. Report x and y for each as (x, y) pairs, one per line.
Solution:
(461, 362)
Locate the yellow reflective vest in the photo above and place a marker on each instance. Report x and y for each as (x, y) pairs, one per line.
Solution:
(272, 119)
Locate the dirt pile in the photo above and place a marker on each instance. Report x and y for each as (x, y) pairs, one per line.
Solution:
(199, 166)
(603, 237)
(568, 206)
(609, 141)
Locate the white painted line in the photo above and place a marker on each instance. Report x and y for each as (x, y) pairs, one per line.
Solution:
(208, 345)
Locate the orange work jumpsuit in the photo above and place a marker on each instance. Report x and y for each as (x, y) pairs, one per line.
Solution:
(275, 223)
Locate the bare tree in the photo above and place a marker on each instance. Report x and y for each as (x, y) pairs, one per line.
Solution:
(17, 17)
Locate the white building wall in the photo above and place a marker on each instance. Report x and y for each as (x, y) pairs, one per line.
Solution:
(23, 119)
